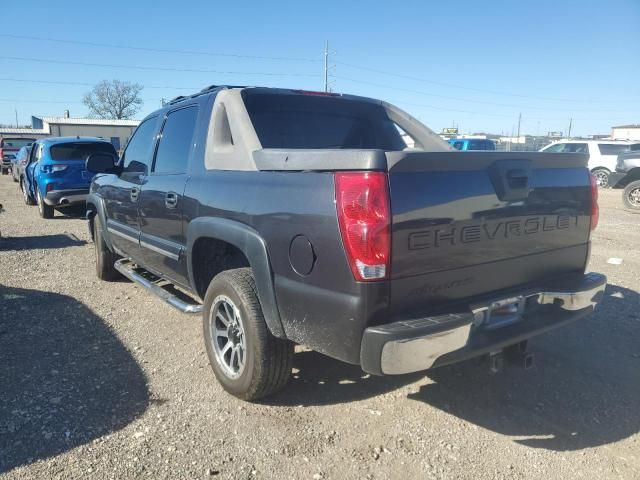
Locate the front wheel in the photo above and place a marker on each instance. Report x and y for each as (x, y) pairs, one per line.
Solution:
(46, 211)
(105, 258)
(631, 196)
(247, 360)
(602, 176)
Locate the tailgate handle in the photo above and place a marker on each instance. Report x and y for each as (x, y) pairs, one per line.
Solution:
(518, 178)
(510, 179)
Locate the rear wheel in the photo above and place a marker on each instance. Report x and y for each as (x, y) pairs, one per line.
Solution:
(25, 194)
(105, 258)
(247, 360)
(602, 176)
(631, 196)
(46, 211)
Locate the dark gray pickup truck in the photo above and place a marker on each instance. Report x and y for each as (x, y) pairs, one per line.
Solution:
(292, 217)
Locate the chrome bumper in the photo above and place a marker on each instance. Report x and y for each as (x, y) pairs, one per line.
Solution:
(420, 344)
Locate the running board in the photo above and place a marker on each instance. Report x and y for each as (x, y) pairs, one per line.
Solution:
(158, 286)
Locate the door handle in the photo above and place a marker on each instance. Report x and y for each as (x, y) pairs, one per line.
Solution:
(171, 200)
(134, 193)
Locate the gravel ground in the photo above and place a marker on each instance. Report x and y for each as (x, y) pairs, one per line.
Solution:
(102, 380)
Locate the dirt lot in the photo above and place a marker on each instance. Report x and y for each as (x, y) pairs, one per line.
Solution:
(101, 380)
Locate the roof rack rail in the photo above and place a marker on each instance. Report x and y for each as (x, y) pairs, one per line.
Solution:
(210, 88)
(177, 99)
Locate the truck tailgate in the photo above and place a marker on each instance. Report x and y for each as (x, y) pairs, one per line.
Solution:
(466, 224)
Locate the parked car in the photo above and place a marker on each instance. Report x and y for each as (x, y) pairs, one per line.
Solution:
(603, 154)
(291, 217)
(466, 144)
(56, 176)
(20, 162)
(627, 176)
(8, 149)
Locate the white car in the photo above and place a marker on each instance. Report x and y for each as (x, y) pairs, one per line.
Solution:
(603, 154)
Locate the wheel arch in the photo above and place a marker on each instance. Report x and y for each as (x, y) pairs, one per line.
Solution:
(95, 207)
(252, 246)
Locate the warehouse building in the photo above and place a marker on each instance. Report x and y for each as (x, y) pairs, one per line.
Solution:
(117, 132)
(626, 132)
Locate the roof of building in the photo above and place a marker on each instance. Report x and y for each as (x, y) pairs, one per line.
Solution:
(90, 121)
(628, 126)
(23, 131)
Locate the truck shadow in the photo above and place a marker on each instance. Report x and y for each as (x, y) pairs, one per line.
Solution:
(65, 378)
(320, 380)
(40, 242)
(583, 391)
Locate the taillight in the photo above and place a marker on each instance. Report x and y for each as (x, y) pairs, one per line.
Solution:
(1, 153)
(53, 168)
(595, 209)
(362, 203)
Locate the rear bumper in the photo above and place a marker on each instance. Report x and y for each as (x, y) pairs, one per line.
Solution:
(64, 198)
(420, 344)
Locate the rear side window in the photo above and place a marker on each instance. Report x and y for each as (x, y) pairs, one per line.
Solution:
(481, 145)
(612, 148)
(136, 156)
(176, 141)
(320, 122)
(78, 150)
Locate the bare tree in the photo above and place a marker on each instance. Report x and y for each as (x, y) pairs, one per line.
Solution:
(114, 99)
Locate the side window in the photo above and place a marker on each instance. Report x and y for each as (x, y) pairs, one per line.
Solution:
(176, 141)
(576, 148)
(136, 157)
(612, 148)
(556, 148)
(458, 145)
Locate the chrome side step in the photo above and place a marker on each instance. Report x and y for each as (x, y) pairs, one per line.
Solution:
(158, 286)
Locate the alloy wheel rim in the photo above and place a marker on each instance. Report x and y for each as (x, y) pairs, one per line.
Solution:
(602, 178)
(228, 336)
(634, 197)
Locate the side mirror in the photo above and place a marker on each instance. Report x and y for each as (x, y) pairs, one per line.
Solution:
(101, 163)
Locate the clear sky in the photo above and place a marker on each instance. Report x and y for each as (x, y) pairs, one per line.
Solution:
(475, 64)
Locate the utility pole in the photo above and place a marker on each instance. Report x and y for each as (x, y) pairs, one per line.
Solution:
(326, 66)
(17, 126)
(519, 120)
(570, 122)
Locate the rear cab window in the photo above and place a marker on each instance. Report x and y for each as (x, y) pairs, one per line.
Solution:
(78, 150)
(300, 121)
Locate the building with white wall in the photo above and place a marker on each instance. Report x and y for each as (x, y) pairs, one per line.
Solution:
(626, 132)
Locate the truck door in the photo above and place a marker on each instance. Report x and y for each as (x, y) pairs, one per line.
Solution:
(162, 239)
(123, 194)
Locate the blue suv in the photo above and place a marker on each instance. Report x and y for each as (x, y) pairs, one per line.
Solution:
(55, 176)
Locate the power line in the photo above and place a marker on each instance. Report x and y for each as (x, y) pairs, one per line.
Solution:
(161, 69)
(160, 50)
(448, 97)
(452, 85)
(83, 84)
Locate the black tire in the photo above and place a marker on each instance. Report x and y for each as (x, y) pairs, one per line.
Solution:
(46, 211)
(105, 258)
(631, 196)
(5, 171)
(267, 359)
(602, 176)
(27, 198)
